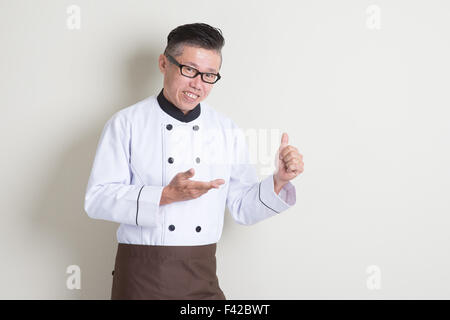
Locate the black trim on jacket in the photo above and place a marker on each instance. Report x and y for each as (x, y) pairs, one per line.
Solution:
(173, 111)
(137, 205)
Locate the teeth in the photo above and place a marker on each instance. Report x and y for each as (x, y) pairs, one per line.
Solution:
(193, 96)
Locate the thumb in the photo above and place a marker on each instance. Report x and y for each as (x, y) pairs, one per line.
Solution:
(284, 142)
(188, 174)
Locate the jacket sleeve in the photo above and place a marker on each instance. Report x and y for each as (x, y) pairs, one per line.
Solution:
(109, 194)
(249, 200)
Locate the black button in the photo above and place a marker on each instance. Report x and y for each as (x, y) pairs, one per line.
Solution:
(169, 127)
(198, 229)
(197, 160)
(171, 227)
(113, 272)
(170, 160)
(196, 127)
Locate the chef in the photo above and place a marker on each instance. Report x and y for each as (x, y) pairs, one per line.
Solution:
(166, 167)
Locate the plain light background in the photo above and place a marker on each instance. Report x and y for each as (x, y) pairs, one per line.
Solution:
(367, 108)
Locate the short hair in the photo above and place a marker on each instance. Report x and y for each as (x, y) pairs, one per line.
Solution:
(200, 35)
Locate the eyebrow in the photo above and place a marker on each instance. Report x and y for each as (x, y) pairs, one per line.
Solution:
(195, 65)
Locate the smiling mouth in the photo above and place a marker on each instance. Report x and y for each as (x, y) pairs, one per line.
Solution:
(190, 95)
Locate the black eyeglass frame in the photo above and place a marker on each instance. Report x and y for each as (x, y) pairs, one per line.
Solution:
(175, 62)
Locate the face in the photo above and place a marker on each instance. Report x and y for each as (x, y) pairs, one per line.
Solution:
(175, 84)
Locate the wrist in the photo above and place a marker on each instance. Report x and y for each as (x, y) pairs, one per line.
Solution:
(278, 184)
(166, 196)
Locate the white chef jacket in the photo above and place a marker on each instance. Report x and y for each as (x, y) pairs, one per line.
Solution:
(142, 147)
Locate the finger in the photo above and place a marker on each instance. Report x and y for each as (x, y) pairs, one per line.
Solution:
(297, 168)
(286, 151)
(294, 162)
(217, 183)
(199, 185)
(290, 163)
(292, 152)
(284, 141)
(205, 186)
(292, 169)
(290, 156)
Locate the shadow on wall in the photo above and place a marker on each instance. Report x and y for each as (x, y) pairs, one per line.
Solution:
(91, 244)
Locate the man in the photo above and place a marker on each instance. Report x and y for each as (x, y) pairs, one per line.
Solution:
(166, 167)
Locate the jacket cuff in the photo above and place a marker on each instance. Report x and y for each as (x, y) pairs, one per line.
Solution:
(147, 206)
(277, 202)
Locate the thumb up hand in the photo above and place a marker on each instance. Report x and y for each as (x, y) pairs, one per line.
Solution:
(289, 162)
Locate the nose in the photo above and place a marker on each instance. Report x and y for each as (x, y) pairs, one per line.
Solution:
(196, 83)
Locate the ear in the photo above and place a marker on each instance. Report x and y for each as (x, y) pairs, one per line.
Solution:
(162, 63)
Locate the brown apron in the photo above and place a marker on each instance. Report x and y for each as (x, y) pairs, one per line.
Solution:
(165, 272)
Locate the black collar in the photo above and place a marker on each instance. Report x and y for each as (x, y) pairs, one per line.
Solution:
(169, 108)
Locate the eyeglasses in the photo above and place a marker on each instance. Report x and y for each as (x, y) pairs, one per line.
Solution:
(191, 72)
